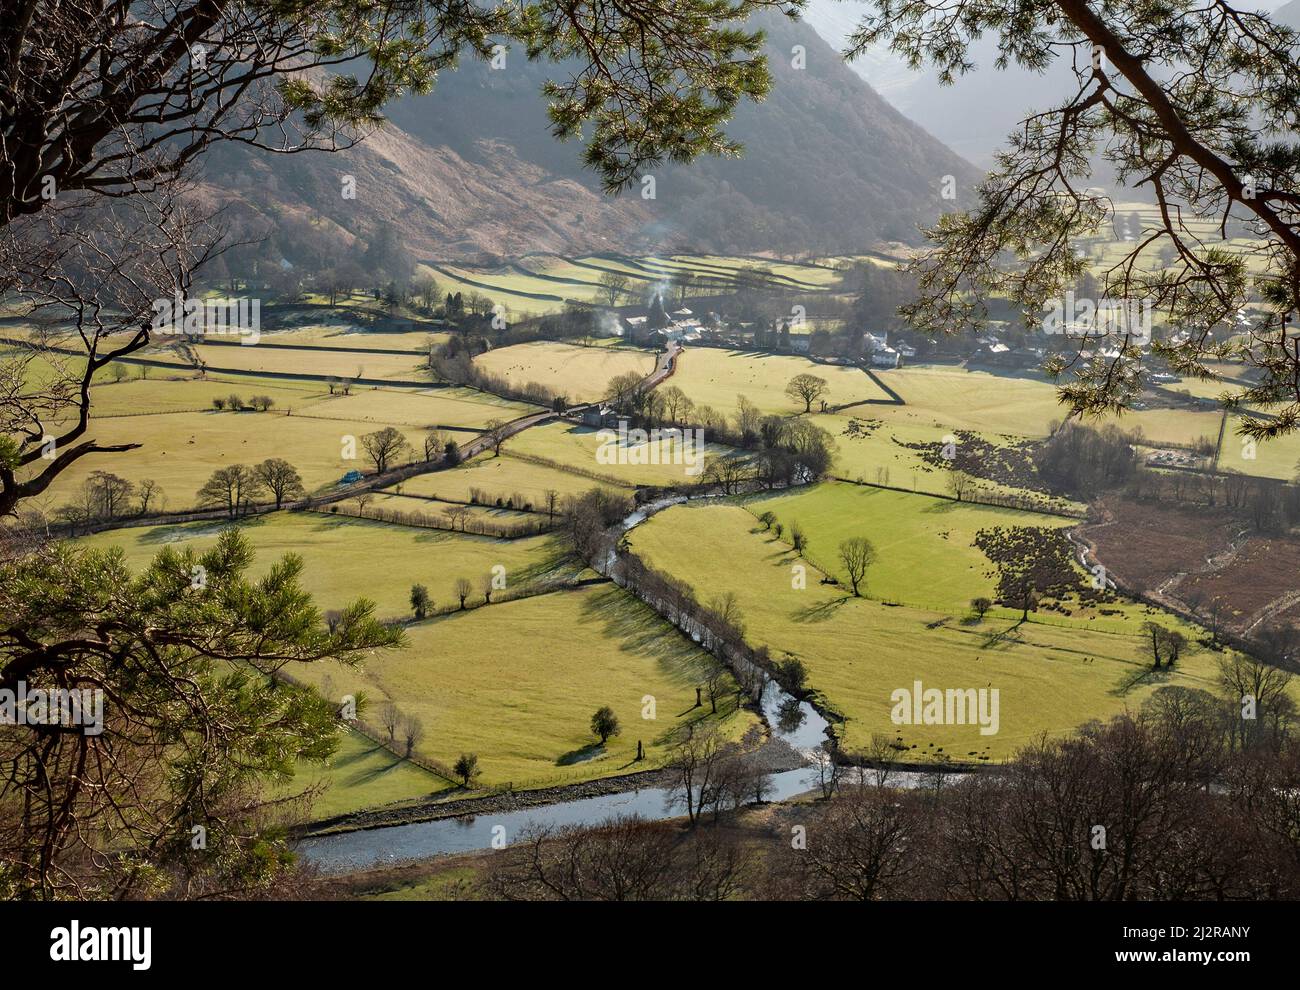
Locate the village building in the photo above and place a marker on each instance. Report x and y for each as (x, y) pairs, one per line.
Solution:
(600, 416)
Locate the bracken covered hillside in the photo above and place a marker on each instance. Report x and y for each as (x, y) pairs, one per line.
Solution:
(472, 169)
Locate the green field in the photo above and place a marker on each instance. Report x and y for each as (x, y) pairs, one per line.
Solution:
(580, 373)
(165, 391)
(717, 378)
(1275, 458)
(362, 774)
(980, 401)
(576, 446)
(517, 683)
(355, 339)
(501, 476)
(462, 408)
(435, 512)
(1051, 678)
(295, 361)
(1023, 404)
(346, 558)
(925, 556)
(181, 450)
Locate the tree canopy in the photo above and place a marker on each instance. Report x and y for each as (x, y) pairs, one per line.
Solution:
(1194, 105)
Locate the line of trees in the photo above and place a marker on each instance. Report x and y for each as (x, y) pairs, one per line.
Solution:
(105, 496)
(1085, 461)
(237, 403)
(235, 488)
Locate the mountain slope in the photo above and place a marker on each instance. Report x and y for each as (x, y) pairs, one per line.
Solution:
(975, 114)
(472, 169)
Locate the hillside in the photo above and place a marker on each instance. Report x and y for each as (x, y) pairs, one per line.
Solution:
(975, 115)
(471, 169)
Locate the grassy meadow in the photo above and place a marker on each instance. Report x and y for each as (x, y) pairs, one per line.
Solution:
(346, 558)
(714, 377)
(923, 544)
(1053, 674)
(581, 373)
(502, 476)
(362, 774)
(181, 450)
(454, 408)
(516, 683)
(576, 446)
(295, 361)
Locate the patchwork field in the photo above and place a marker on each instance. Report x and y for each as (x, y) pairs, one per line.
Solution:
(581, 373)
(517, 683)
(925, 556)
(501, 476)
(542, 283)
(1276, 458)
(294, 361)
(346, 558)
(462, 408)
(576, 447)
(1113, 243)
(181, 450)
(811, 275)
(710, 376)
(1051, 678)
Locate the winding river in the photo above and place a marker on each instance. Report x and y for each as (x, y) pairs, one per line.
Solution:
(795, 722)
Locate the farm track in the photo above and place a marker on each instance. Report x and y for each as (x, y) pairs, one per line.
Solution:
(1274, 608)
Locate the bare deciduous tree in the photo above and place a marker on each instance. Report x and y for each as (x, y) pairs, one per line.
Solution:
(857, 554)
(385, 446)
(807, 389)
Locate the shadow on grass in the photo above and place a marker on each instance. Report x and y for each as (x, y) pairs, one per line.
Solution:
(1140, 678)
(368, 775)
(820, 612)
(639, 630)
(1005, 638)
(181, 533)
(582, 755)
